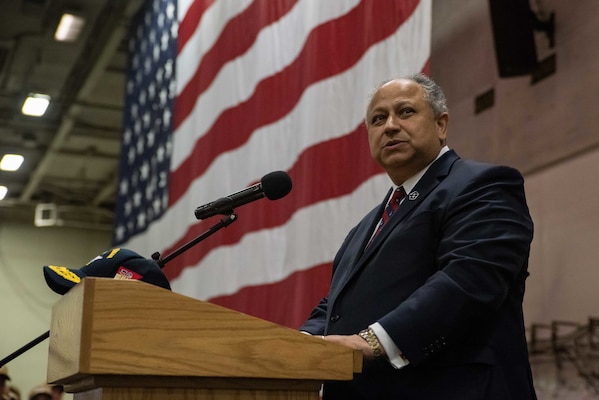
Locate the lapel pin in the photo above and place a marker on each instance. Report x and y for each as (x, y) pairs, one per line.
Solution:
(413, 195)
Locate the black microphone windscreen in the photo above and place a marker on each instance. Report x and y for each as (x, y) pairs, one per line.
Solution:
(276, 185)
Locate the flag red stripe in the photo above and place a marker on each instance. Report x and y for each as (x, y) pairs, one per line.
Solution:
(236, 38)
(276, 96)
(190, 21)
(333, 179)
(287, 302)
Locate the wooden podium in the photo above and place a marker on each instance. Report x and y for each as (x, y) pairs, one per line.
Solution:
(118, 339)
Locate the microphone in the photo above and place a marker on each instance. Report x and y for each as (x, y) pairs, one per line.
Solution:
(274, 186)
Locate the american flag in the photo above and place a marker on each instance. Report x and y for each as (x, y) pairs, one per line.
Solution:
(222, 92)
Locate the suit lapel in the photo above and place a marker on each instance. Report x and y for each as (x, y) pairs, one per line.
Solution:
(435, 174)
(362, 236)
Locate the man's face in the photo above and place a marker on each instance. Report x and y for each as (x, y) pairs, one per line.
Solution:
(403, 134)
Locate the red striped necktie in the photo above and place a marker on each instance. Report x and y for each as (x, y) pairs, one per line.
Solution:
(390, 208)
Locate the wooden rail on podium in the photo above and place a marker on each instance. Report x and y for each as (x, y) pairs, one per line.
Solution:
(117, 339)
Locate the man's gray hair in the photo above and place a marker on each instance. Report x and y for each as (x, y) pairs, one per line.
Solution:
(432, 92)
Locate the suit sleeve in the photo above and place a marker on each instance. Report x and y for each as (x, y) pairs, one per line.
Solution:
(316, 323)
(484, 242)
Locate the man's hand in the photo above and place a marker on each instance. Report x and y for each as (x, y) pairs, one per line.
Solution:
(353, 341)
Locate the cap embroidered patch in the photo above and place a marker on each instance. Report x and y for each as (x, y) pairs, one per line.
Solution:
(124, 273)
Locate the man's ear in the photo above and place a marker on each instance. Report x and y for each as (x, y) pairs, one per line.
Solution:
(442, 122)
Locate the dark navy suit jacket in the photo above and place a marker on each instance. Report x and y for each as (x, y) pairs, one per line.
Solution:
(445, 278)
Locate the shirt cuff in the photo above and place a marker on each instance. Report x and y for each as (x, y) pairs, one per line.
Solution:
(393, 353)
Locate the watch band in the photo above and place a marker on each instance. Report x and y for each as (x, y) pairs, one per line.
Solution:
(370, 337)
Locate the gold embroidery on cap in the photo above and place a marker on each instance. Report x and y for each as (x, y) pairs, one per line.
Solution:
(65, 273)
(113, 253)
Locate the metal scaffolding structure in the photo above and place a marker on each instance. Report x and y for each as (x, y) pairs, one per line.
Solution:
(564, 345)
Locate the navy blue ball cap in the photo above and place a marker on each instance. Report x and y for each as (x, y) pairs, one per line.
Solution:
(114, 263)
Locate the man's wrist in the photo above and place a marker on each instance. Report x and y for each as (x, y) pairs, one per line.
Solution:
(370, 337)
(390, 349)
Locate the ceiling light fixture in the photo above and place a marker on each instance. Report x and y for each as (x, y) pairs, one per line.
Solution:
(69, 28)
(3, 191)
(11, 162)
(35, 104)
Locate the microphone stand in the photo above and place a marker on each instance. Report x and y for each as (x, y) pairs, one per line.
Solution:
(23, 349)
(229, 218)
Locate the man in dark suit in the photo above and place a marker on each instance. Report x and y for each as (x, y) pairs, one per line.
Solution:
(433, 298)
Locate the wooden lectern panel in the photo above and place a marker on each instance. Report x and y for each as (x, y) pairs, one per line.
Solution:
(191, 394)
(132, 334)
